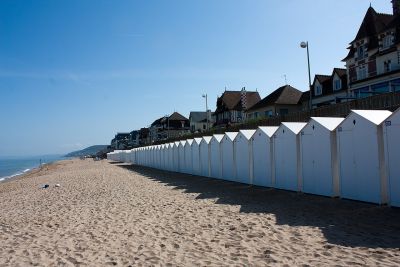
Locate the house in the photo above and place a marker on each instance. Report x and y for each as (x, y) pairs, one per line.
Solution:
(198, 121)
(231, 106)
(155, 130)
(373, 60)
(284, 100)
(329, 89)
(133, 140)
(120, 141)
(144, 136)
(175, 125)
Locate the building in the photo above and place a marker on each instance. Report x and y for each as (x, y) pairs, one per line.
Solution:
(329, 89)
(373, 60)
(198, 121)
(231, 106)
(155, 130)
(133, 139)
(120, 141)
(144, 136)
(284, 100)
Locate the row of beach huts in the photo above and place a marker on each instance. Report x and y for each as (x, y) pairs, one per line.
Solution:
(354, 158)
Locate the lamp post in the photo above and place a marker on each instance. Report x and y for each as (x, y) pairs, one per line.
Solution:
(305, 45)
(205, 96)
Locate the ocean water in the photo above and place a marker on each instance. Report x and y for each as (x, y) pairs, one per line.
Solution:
(13, 166)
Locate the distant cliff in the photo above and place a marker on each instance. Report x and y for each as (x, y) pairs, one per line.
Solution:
(89, 151)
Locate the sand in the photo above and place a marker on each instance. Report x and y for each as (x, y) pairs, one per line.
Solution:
(117, 214)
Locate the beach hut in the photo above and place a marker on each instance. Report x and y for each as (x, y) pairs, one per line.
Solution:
(319, 159)
(392, 153)
(181, 152)
(215, 156)
(361, 152)
(287, 156)
(205, 156)
(175, 149)
(196, 156)
(188, 157)
(244, 156)
(263, 156)
(228, 156)
(170, 156)
(162, 157)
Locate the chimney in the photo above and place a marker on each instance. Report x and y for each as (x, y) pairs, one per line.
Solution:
(396, 7)
(243, 98)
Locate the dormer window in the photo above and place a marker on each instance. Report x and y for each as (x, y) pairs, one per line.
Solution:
(318, 90)
(360, 52)
(337, 84)
(387, 41)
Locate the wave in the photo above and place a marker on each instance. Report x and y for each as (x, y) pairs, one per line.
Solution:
(13, 175)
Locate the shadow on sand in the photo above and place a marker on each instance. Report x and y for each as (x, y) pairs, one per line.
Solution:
(343, 222)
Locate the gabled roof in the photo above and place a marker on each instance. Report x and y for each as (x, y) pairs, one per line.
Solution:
(206, 139)
(188, 142)
(374, 116)
(268, 130)
(340, 72)
(177, 117)
(182, 143)
(231, 100)
(197, 116)
(372, 24)
(196, 140)
(330, 123)
(284, 95)
(247, 133)
(295, 127)
(231, 135)
(218, 137)
(322, 78)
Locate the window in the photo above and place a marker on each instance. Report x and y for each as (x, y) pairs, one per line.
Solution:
(387, 41)
(255, 115)
(268, 113)
(283, 111)
(204, 126)
(360, 52)
(318, 90)
(387, 66)
(337, 84)
(361, 72)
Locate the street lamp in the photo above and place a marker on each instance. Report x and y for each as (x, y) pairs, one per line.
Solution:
(305, 45)
(205, 96)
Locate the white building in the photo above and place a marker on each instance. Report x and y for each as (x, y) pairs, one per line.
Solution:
(215, 156)
(228, 156)
(205, 156)
(244, 156)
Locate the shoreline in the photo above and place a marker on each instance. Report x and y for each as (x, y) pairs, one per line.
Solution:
(109, 213)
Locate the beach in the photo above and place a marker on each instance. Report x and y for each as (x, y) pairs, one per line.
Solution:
(110, 213)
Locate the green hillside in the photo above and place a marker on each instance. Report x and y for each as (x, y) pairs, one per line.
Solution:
(89, 151)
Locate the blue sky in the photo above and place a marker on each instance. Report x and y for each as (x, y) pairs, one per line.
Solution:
(73, 73)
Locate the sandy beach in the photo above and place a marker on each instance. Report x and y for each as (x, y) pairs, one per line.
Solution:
(107, 213)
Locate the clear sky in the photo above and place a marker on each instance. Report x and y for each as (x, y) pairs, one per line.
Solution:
(73, 72)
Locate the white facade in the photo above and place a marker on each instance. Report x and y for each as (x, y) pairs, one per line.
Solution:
(228, 156)
(196, 156)
(287, 156)
(215, 156)
(205, 156)
(176, 156)
(244, 156)
(188, 157)
(320, 169)
(362, 165)
(263, 156)
(181, 152)
(170, 157)
(392, 154)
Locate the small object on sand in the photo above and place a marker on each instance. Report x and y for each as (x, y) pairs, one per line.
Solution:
(57, 185)
(45, 186)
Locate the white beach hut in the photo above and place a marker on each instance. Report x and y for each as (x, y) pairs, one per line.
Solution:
(392, 153)
(163, 156)
(188, 157)
(361, 151)
(196, 156)
(263, 156)
(205, 156)
(319, 158)
(287, 156)
(132, 156)
(215, 156)
(170, 157)
(181, 152)
(157, 157)
(175, 149)
(244, 156)
(228, 156)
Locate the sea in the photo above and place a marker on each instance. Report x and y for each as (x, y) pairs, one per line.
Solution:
(13, 166)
